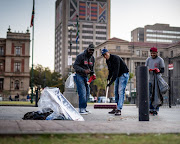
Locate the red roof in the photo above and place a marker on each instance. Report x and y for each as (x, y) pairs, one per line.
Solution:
(117, 39)
(148, 44)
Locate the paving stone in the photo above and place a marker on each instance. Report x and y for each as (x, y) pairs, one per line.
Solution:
(167, 121)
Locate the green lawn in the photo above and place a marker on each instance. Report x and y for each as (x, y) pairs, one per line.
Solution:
(16, 103)
(92, 139)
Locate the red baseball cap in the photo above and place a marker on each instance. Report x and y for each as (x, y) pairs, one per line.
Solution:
(153, 49)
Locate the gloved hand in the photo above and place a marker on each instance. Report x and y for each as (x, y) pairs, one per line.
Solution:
(156, 70)
(93, 77)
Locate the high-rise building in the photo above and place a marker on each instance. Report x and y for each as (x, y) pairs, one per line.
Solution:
(14, 64)
(157, 33)
(90, 17)
(137, 35)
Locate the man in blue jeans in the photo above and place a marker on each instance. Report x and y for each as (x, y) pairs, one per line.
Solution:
(84, 66)
(119, 73)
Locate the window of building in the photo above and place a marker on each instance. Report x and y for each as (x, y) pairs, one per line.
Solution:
(16, 85)
(87, 26)
(21, 84)
(101, 27)
(86, 42)
(171, 53)
(162, 36)
(18, 50)
(12, 84)
(159, 40)
(143, 63)
(1, 67)
(86, 31)
(138, 52)
(101, 38)
(118, 48)
(161, 54)
(1, 51)
(87, 37)
(101, 32)
(1, 84)
(145, 53)
(17, 66)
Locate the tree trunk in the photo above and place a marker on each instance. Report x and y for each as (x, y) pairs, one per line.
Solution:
(98, 90)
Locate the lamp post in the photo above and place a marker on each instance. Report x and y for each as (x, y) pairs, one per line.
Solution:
(169, 80)
(70, 93)
(70, 28)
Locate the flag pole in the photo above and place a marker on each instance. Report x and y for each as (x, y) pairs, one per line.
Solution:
(32, 84)
(32, 74)
(77, 34)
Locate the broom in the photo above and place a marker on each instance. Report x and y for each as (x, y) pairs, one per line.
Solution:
(105, 105)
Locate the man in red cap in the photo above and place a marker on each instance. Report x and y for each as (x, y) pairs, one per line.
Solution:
(156, 65)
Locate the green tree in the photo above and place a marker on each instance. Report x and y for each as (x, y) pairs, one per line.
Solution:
(101, 79)
(44, 77)
(131, 75)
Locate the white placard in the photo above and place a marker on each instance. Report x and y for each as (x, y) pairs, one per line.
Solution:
(171, 66)
(69, 60)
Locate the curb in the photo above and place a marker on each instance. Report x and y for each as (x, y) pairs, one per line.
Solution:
(18, 105)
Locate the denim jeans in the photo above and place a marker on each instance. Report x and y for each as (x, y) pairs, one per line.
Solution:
(151, 108)
(83, 90)
(119, 89)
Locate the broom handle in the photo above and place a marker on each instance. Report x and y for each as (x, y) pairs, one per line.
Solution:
(107, 89)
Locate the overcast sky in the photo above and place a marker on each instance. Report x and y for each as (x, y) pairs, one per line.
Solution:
(126, 15)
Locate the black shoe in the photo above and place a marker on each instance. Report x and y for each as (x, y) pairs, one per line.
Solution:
(112, 112)
(155, 113)
(151, 112)
(118, 112)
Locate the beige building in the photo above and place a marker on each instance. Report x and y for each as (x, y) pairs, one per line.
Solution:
(14, 63)
(135, 54)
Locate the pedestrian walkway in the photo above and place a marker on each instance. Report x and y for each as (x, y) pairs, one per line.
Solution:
(99, 121)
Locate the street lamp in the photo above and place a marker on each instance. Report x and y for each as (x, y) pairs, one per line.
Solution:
(70, 28)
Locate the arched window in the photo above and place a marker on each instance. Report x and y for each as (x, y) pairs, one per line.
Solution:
(16, 85)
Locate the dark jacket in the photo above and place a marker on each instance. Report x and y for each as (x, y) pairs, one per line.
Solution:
(83, 63)
(156, 98)
(116, 67)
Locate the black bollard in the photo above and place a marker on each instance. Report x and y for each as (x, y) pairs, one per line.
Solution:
(143, 93)
(36, 104)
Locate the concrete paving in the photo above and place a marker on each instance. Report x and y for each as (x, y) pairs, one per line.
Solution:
(99, 121)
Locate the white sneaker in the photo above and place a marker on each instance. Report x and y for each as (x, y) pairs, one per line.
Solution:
(89, 112)
(82, 111)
